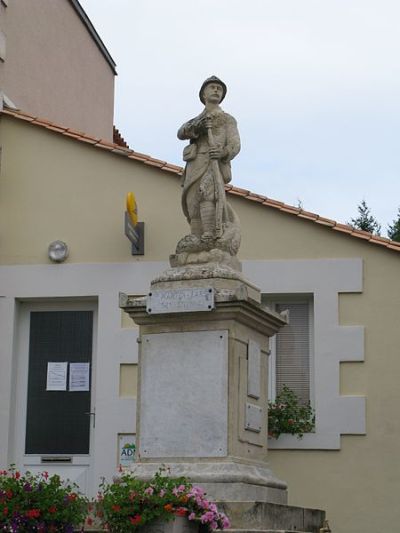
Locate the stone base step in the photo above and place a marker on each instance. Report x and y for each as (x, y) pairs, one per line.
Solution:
(261, 517)
(263, 531)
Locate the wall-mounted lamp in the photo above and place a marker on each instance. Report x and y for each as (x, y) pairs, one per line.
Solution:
(58, 251)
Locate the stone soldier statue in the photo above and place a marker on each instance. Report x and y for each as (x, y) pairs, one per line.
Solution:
(214, 142)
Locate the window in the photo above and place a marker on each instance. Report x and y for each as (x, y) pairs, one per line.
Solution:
(291, 348)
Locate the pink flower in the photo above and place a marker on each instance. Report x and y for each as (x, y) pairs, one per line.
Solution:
(207, 517)
(149, 491)
(162, 492)
(192, 516)
(225, 522)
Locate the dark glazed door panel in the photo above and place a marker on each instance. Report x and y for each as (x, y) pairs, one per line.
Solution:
(57, 421)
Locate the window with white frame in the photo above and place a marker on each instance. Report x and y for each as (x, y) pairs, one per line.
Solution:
(291, 361)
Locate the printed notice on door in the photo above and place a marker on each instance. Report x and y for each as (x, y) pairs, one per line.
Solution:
(56, 376)
(79, 377)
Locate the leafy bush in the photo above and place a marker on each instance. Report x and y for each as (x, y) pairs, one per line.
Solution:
(39, 503)
(128, 503)
(287, 415)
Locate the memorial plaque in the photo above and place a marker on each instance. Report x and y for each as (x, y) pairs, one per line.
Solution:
(253, 417)
(184, 394)
(180, 300)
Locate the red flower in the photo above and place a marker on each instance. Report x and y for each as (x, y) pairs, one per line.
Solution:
(116, 508)
(45, 475)
(72, 497)
(181, 511)
(17, 475)
(135, 520)
(89, 521)
(53, 509)
(9, 494)
(33, 513)
(5, 511)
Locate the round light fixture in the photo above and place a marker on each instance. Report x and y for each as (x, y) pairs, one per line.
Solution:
(58, 251)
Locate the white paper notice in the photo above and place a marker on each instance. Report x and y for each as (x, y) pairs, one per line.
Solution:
(56, 376)
(79, 377)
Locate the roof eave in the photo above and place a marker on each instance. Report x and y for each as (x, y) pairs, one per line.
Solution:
(96, 37)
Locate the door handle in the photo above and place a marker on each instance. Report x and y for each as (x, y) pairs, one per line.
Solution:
(93, 414)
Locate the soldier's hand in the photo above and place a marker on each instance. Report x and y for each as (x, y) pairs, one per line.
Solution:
(206, 122)
(216, 153)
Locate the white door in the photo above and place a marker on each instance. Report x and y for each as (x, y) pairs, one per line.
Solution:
(54, 429)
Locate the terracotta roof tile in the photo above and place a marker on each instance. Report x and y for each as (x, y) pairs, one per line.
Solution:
(154, 163)
(255, 198)
(174, 167)
(244, 192)
(379, 240)
(55, 128)
(343, 227)
(290, 209)
(43, 122)
(75, 132)
(153, 160)
(273, 203)
(137, 157)
(88, 140)
(103, 146)
(72, 134)
(107, 144)
(325, 221)
(140, 155)
(362, 234)
(118, 139)
(238, 192)
(121, 151)
(27, 118)
(308, 215)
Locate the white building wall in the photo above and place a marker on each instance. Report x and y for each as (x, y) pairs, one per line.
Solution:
(115, 345)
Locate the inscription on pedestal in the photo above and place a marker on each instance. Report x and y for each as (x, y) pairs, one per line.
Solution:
(180, 300)
(253, 370)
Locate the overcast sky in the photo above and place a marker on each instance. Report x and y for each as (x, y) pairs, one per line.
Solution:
(313, 84)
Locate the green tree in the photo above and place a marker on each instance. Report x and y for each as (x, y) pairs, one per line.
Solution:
(393, 230)
(365, 221)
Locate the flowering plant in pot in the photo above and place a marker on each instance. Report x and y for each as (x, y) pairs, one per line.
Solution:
(39, 503)
(287, 415)
(128, 503)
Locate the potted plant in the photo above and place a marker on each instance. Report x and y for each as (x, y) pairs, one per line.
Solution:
(129, 503)
(39, 503)
(287, 415)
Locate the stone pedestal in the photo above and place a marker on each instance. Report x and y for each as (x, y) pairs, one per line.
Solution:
(202, 391)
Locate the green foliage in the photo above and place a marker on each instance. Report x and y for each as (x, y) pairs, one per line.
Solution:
(394, 230)
(39, 503)
(128, 503)
(365, 221)
(287, 415)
